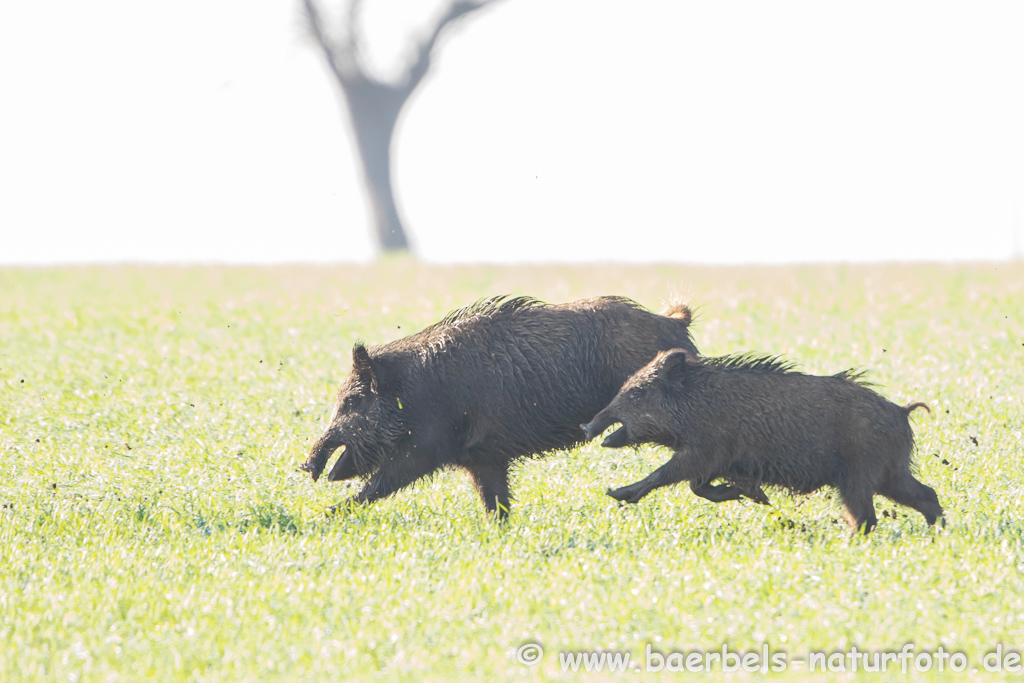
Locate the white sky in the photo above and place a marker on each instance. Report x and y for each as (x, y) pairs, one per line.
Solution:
(550, 130)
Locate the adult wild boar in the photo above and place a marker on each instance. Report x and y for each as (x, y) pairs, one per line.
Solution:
(493, 382)
(754, 420)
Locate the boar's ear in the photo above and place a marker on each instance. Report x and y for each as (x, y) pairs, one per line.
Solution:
(676, 361)
(362, 367)
(374, 373)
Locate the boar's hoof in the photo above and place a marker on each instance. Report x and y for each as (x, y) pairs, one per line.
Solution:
(344, 507)
(626, 495)
(338, 510)
(758, 496)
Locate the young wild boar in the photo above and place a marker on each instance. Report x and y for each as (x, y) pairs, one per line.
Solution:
(492, 382)
(753, 420)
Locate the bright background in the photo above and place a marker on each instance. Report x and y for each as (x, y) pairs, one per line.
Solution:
(725, 132)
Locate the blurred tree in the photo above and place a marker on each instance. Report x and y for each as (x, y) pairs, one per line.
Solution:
(374, 105)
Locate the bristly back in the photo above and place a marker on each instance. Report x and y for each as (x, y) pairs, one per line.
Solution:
(617, 299)
(490, 307)
(857, 376)
(752, 362)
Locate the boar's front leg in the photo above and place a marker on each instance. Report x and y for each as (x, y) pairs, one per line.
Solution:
(681, 467)
(491, 481)
(392, 476)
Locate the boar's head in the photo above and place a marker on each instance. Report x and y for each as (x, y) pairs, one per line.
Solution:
(368, 421)
(646, 403)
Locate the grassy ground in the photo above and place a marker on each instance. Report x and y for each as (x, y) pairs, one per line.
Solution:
(153, 522)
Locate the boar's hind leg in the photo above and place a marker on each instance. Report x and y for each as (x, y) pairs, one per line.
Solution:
(757, 495)
(906, 490)
(679, 468)
(717, 493)
(491, 483)
(722, 492)
(860, 508)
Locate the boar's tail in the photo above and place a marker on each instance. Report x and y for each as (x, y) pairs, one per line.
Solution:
(679, 312)
(911, 407)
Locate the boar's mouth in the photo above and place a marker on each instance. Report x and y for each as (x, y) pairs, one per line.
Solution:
(617, 439)
(345, 467)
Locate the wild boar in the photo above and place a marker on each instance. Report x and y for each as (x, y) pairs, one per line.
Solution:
(753, 420)
(496, 381)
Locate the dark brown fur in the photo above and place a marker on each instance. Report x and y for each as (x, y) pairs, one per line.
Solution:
(493, 382)
(754, 420)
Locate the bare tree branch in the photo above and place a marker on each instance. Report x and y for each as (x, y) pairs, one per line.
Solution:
(344, 57)
(354, 37)
(421, 63)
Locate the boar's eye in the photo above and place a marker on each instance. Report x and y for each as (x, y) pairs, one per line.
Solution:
(352, 401)
(637, 393)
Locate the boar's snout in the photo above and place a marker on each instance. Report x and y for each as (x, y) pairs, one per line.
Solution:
(319, 454)
(590, 430)
(601, 422)
(307, 467)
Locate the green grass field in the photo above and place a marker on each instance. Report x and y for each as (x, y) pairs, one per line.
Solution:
(154, 524)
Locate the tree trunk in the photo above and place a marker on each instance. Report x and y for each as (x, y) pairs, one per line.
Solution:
(374, 108)
(376, 160)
